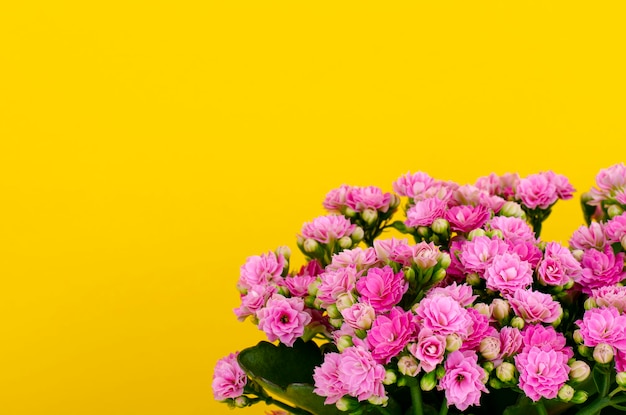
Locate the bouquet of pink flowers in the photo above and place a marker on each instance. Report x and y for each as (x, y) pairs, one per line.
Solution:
(470, 312)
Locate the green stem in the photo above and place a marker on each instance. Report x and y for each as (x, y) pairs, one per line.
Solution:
(286, 407)
(541, 408)
(416, 399)
(598, 404)
(444, 407)
(383, 410)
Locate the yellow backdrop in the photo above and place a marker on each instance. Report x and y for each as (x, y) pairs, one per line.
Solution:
(148, 147)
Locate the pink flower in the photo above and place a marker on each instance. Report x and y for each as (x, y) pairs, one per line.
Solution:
(456, 269)
(382, 288)
(467, 195)
(390, 334)
(359, 316)
(612, 178)
(444, 315)
(298, 285)
(615, 229)
(385, 247)
(254, 300)
(465, 218)
(335, 283)
(283, 319)
(361, 375)
(545, 338)
(361, 258)
(558, 266)
(527, 251)
(479, 329)
(477, 254)
(463, 381)
(510, 341)
(425, 255)
(424, 212)
(591, 237)
(325, 229)
(462, 293)
(513, 229)
(503, 186)
(508, 273)
(326, 378)
(229, 379)
(261, 270)
(429, 350)
(335, 200)
(611, 296)
(412, 185)
(371, 197)
(603, 325)
(537, 191)
(542, 372)
(564, 188)
(535, 307)
(601, 269)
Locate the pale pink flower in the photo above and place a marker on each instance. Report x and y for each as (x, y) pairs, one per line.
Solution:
(615, 229)
(492, 202)
(359, 316)
(335, 283)
(439, 189)
(467, 195)
(261, 270)
(444, 315)
(464, 218)
(612, 178)
(510, 341)
(542, 372)
(370, 197)
(429, 349)
(545, 338)
(385, 247)
(462, 293)
(283, 319)
(325, 229)
(603, 325)
(479, 329)
(298, 285)
(326, 378)
(620, 197)
(425, 211)
(535, 307)
(558, 266)
(361, 258)
(229, 380)
(425, 255)
(513, 229)
(335, 200)
(503, 186)
(489, 184)
(477, 254)
(361, 375)
(463, 381)
(390, 334)
(412, 185)
(254, 300)
(564, 188)
(600, 269)
(620, 360)
(591, 237)
(610, 296)
(537, 191)
(527, 251)
(507, 273)
(382, 288)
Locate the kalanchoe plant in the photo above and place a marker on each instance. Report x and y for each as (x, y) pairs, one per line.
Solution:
(475, 315)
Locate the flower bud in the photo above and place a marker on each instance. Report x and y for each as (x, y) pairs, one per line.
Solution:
(579, 397)
(517, 322)
(284, 291)
(440, 371)
(409, 275)
(344, 342)
(590, 303)
(500, 309)
(577, 336)
(241, 401)
(620, 379)
(283, 251)
(578, 254)
(603, 353)
(428, 381)
(300, 242)
(390, 377)
(310, 246)
(357, 235)
(495, 383)
(483, 309)
(584, 350)
(361, 334)
(623, 242)
(476, 232)
(614, 210)
(488, 366)
(505, 372)
(439, 275)
(348, 212)
(440, 226)
(511, 210)
(473, 279)
(333, 311)
(335, 322)
(370, 216)
(347, 404)
(489, 347)
(345, 242)
(453, 342)
(444, 260)
(408, 366)
(579, 371)
(566, 393)
(423, 231)
(495, 233)
(377, 400)
(394, 201)
(344, 301)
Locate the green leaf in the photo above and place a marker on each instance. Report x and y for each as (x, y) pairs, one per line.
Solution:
(287, 373)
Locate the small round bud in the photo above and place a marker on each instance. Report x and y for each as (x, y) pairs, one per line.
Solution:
(348, 212)
(453, 342)
(423, 231)
(390, 377)
(439, 275)
(344, 342)
(284, 291)
(603, 353)
(488, 366)
(241, 401)
(335, 322)
(345, 242)
(496, 233)
(428, 381)
(333, 311)
(483, 309)
(357, 235)
(300, 242)
(347, 404)
(440, 226)
(500, 309)
(473, 279)
(361, 334)
(579, 397)
(620, 379)
(283, 251)
(578, 254)
(614, 210)
(377, 400)
(476, 232)
(394, 201)
(344, 301)
(310, 246)
(505, 372)
(590, 303)
(408, 366)
(440, 371)
(584, 350)
(495, 383)
(409, 275)
(444, 260)
(511, 210)
(566, 393)
(579, 371)
(370, 216)
(577, 336)
(489, 347)
(518, 322)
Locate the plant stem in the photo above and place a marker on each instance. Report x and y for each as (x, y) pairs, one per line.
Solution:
(282, 405)
(416, 399)
(541, 408)
(444, 407)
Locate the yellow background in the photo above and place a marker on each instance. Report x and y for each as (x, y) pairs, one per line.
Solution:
(147, 148)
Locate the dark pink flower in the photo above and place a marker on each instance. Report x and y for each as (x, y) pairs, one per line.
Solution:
(558, 266)
(463, 382)
(507, 273)
(371, 197)
(542, 372)
(603, 325)
(601, 269)
(382, 288)
(591, 237)
(283, 319)
(429, 349)
(527, 251)
(390, 334)
(425, 211)
(535, 307)
(479, 329)
(325, 229)
(537, 191)
(465, 218)
(444, 315)
(229, 380)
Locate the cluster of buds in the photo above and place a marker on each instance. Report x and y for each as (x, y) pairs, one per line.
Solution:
(608, 199)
